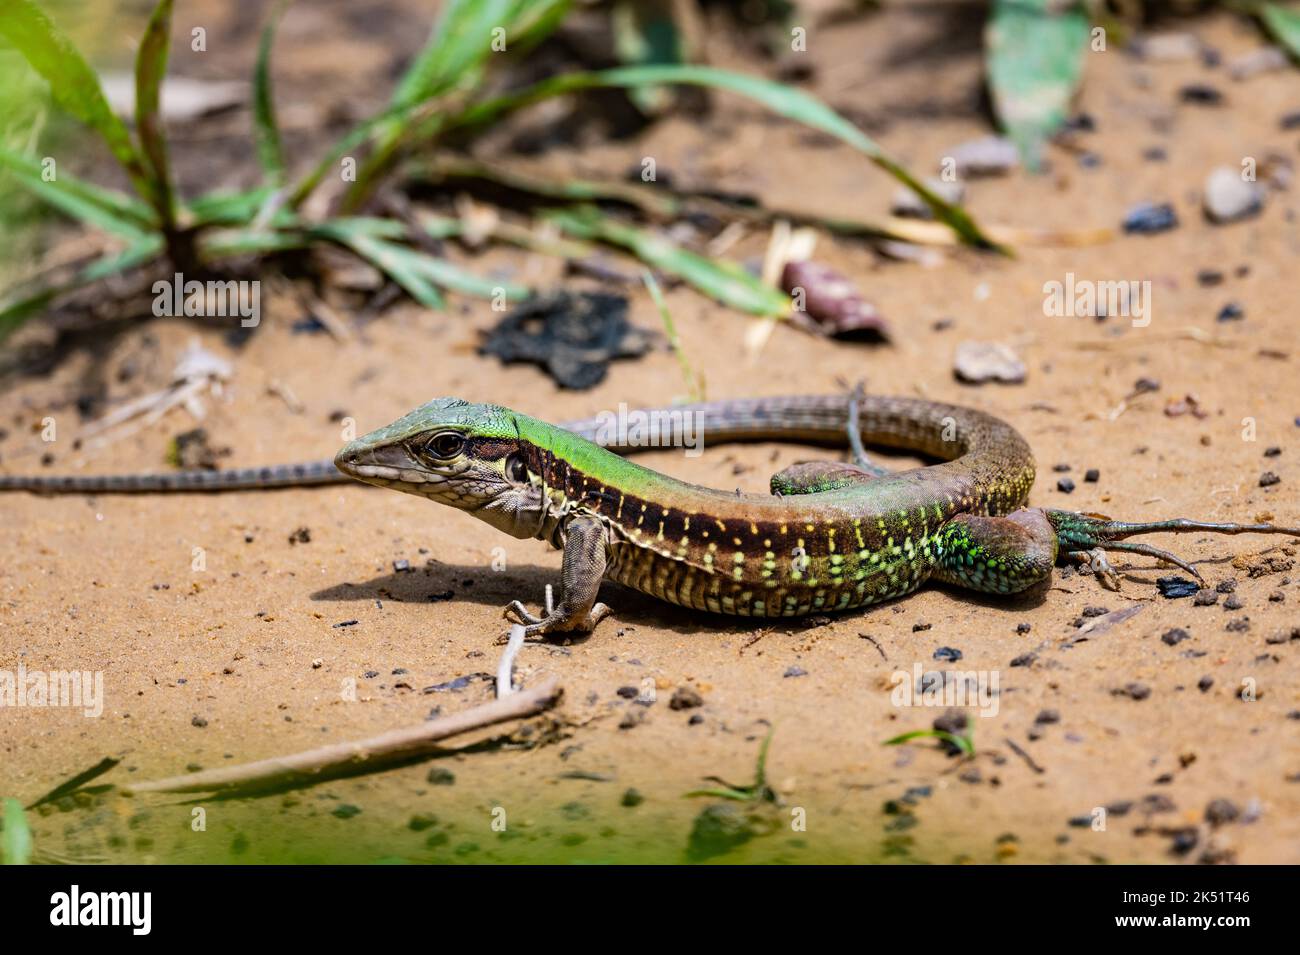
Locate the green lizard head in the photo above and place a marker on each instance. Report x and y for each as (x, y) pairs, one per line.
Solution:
(478, 458)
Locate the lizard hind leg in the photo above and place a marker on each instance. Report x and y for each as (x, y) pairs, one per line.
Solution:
(1000, 555)
(1092, 533)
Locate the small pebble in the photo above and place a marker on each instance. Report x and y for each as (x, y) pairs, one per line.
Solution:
(1024, 660)
(794, 671)
(1174, 587)
(1233, 603)
(1221, 811)
(1232, 312)
(1175, 636)
(947, 654)
(1200, 94)
(1092, 475)
(1204, 683)
(1136, 691)
(1205, 598)
(631, 799)
(1048, 716)
(1168, 47)
(1268, 479)
(685, 698)
(1065, 485)
(986, 156)
(1149, 218)
(1229, 198)
(979, 362)
(1208, 278)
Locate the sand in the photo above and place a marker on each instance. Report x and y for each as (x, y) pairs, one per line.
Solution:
(249, 656)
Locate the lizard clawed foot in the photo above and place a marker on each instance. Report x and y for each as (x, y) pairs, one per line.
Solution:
(559, 620)
(1090, 534)
(1094, 562)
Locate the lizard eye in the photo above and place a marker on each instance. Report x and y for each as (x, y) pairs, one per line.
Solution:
(516, 469)
(445, 444)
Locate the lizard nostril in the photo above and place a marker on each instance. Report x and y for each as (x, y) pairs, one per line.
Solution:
(346, 459)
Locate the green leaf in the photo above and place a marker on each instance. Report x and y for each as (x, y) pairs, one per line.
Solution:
(150, 68)
(265, 130)
(19, 306)
(461, 40)
(964, 743)
(73, 84)
(17, 835)
(1284, 24)
(223, 242)
(783, 100)
(728, 283)
(230, 208)
(1034, 65)
(398, 263)
(106, 209)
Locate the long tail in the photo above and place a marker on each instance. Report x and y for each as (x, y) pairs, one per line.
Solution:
(241, 479)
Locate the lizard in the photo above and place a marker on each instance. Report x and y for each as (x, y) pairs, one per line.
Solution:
(830, 536)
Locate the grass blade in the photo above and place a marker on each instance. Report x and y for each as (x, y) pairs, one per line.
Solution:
(694, 382)
(230, 208)
(17, 835)
(1284, 24)
(782, 100)
(73, 84)
(728, 283)
(106, 209)
(461, 40)
(963, 743)
(1034, 64)
(270, 153)
(150, 67)
(395, 261)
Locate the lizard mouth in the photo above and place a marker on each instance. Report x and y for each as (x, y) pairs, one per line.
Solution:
(392, 466)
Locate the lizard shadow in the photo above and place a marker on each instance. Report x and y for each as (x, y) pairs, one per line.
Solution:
(436, 582)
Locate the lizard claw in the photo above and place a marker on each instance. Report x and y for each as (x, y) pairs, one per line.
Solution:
(1094, 562)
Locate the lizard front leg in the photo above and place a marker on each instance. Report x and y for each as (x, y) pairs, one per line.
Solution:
(580, 577)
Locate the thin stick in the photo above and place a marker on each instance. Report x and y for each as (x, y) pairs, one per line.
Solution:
(506, 668)
(393, 746)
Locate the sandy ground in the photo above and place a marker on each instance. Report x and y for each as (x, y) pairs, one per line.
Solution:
(213, 666)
